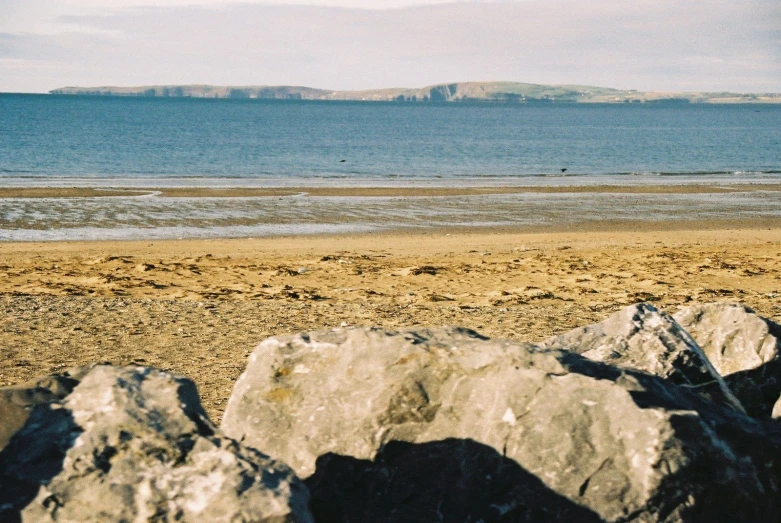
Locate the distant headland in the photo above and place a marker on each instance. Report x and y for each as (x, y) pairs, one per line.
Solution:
(496, 92)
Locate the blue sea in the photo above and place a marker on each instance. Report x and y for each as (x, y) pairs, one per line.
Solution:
(115, 142)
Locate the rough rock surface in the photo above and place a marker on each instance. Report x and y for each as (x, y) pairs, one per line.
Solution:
(745, 349)
(133, 444)
(644, 338)
(622, 444)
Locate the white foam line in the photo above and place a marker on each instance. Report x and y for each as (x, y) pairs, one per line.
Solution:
(150, 194)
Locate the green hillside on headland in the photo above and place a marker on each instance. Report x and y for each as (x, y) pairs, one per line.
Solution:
(496, 92)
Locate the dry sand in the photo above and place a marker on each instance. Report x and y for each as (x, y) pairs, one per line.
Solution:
(199, 307)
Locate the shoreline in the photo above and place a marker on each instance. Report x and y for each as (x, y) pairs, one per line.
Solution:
(124, 214)
(377, 192)
(426, 233)
(585, 233)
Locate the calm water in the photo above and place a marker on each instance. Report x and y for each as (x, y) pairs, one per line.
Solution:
(142, 142)
(51, 136)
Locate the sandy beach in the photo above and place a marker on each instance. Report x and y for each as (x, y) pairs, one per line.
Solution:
(198, 307)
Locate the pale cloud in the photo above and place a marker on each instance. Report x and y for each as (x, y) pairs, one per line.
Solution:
(46, 16)
(357, 4)
(650, 45)
(41, 16)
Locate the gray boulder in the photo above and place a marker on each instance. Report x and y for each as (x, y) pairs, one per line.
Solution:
(134, 444)
(408, 416)
(643, 338)
(745, 349)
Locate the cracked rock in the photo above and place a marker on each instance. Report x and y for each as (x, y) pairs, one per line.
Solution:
(643, 338)
(134, 444)
(744, 347)
(369, 415)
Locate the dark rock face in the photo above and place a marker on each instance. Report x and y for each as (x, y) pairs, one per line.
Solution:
(622, 444)
(643, 338)
(17, 402)
(133, 444)
(448, 480)
(744, 347)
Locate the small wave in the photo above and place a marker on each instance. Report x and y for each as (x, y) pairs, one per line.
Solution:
(26, 174)
(698, 173)
(556, 175)
(16, 171)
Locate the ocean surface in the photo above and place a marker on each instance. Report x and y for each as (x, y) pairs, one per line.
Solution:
(74, 141)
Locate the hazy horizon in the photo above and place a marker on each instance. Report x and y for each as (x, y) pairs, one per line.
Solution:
(714, 45)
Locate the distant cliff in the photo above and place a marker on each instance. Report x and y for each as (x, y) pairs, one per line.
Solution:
(497, 92)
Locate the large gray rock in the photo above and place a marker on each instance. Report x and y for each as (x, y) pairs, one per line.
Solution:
(617, 444)
(643, 338)
(134, 444)
(744, 347)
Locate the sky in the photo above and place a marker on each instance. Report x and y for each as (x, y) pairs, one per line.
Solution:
(649, 45)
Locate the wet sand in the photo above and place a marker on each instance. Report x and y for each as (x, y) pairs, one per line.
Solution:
(199, 307)
(248, 192)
